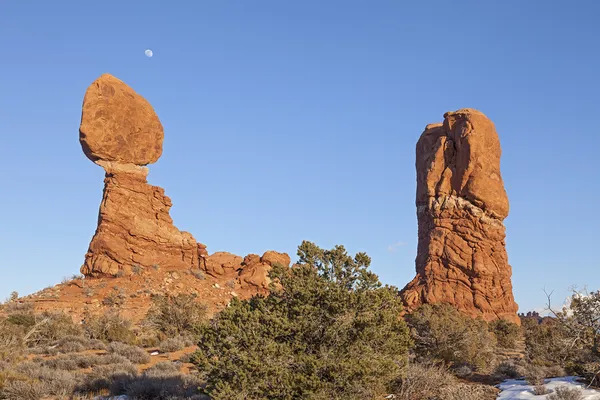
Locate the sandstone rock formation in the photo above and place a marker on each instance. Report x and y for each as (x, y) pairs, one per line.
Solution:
(461, 205)
(121, 132)
(251, 271)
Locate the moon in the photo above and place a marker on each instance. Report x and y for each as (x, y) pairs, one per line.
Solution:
(148, 53)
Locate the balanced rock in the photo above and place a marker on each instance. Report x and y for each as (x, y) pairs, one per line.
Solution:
(461, 204)
(120, 132)
(117, 124)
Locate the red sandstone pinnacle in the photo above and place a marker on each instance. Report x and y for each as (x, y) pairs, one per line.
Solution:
(461, 203)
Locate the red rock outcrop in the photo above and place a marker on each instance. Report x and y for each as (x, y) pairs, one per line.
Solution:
(121, 132)
(251, 271)
(461, 205)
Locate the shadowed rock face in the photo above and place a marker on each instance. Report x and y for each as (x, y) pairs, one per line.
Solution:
(121, 132)
(461, 203)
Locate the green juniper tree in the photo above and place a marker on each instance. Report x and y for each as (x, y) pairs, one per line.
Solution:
(328, 330)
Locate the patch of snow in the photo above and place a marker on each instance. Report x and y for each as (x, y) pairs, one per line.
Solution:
(518, 389)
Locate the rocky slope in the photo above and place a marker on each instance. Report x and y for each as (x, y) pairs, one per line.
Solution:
(461, 204)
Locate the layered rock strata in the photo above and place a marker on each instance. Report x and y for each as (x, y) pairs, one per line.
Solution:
(461, 204)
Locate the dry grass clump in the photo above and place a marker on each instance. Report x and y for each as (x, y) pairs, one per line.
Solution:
(566, 393)
(433, 381)
(134, 354)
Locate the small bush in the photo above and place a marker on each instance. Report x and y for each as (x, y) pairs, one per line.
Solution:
(507, 334)
(12, 343)
(463, 371)
(462, 391)
(550, 342)
(566, 393)
(172, 344)
(176, 315)
(108, 328)
(198, 274)
(112, 377)
(540, 390)
(443, 333)
(535, 375)
(114, 299)
(423, 381)
(42, 380)
(508, 369)
(156, 385)
(24, 390)
(555, 371)
(132, 353)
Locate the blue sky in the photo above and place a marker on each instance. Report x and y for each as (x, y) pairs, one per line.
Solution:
(287, 121)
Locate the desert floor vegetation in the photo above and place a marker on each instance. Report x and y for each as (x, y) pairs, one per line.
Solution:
(328, 330)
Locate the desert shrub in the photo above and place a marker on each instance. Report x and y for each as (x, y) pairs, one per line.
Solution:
(328, 330)
(198, 274)
(24, 390)
(163, 384)
(43, 381)
(72, 362)
(108, 328)
(462, 371)
(41, 329)
(172, 344)
(423, 381)
(443, 333)
(112, 377)
(71, 344)
(162, 368)
(540, 390)
(547, 343)
(535, 376)
(12, 343)
(566, 393)
(176, 315)
(555, 371)
(53, 326)
(507, 333)
(508, 369)
(570, 338)
(15, 307)
(463, 391)
(134, 354)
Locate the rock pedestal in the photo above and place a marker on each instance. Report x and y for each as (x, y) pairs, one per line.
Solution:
(461, 204)
(121, 132)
